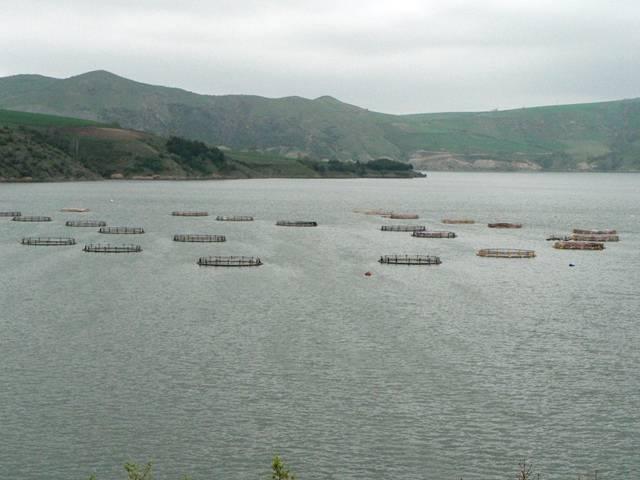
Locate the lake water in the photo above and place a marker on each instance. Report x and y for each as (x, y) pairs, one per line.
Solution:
(442, 372)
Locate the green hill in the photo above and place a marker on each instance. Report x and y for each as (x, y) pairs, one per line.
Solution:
(600, 136)
(47, 147)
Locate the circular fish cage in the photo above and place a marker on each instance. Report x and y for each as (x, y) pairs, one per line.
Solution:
(506, 253)
(234, 218)
(295, 223)
(188, 237)
(461, 221)
(122, 230)
(404, 216)
(574, 245)
(594, 237)
(107, 248)
(410, 260)
(433, 234)
(85, 223)
(403, 228)
(31, 218)
(48, 241)
(582, 231)
(190, 214)
(505, 225)
(229, 261)
(10, 214)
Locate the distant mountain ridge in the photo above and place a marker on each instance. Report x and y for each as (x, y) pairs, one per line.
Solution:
(597, 136)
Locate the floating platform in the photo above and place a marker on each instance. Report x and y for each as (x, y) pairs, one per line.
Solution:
(594, 232)
(188, 237)
(107, 248)
(506, 253)
(295, 223)
(74, 210)
(403, 228)
(231, 261)
(580, 237)
(234, 218)
(460, 221)
(31, 218)
(558, 237)
(380, 213)
(190, 214)
(48, 241)
(122, 230)
(85, 223)
(573, 245)
(10, 214)
(433, 234)
(505, 225)
(404, 216)
(410, 260)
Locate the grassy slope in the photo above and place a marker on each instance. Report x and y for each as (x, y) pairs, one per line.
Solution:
(47, 147)
(554, 137)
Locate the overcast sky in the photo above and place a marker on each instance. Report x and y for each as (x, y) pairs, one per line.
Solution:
(396, 56)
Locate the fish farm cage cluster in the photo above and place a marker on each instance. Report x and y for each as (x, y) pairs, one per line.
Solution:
(85, 223)
(433, 234)
(190, 214)
(197, 238)
(295, 223)
(108, 248)
(234, 218)
(506, 253)
(48, 241)
(32, 218)
(122, 230)
(229, 261)
(580, 239)
(410, 260)
(403, 228)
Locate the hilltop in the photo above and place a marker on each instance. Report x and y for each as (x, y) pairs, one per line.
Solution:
(47, 147)
(599, 136)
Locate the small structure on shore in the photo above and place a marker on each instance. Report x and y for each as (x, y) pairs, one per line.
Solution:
(74, 210)
(403, 228)
(85, 223)
(410, 260)
(121, 230)
(506, 253)
(48, 241)
(594, 238)
(296, 223)
(190, 214)
(10, 214)
(594, 232)
(32, 218)
(462, 221)
(505, 225)
(108, 248)
(198, 238)
(573, 245)
(404, 216)
(433, 234)
(229, 261)
(234, 218)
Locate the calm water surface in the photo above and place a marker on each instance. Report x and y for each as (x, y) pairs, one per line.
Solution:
(458, 370)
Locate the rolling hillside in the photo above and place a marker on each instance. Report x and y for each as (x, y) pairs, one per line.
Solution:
(600, 136)
(38, 147)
